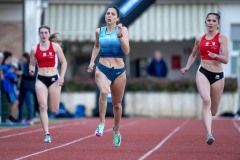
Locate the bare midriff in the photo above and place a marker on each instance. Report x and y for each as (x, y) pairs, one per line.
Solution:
(112, 62)
(47, 71)
(212, 65)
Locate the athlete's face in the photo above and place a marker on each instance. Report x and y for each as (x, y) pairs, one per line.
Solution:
(212, 23)
(111, 16)
(44, 34)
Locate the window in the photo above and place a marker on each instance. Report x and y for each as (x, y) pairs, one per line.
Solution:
(234, 65)
(236, 45)
(235, 36)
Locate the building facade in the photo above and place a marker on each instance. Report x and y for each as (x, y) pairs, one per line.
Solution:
(168, 25)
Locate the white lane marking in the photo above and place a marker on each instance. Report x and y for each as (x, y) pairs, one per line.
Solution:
(163, 141)
(236, 125)
(37, 130)
(72, 142)
(4, 130)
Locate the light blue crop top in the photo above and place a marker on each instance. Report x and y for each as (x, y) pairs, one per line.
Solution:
(110, 44)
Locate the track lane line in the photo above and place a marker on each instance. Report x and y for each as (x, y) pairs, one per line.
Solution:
(4, 130)
(38, 130)
(236, 125)
(75, 141)
(163, 141)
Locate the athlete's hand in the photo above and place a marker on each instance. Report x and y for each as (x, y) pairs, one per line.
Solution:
(184, 70)
(212, 55)
(60, 81)
(90, 67)
(119, 32)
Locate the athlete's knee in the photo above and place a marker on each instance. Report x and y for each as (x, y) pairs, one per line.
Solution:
(214, 112)
(54, 106)
(117, 105)
(207, 103)
(43, 108)
(104, 94)
(54, 110)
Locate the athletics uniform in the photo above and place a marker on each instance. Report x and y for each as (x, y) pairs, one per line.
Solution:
(213, 46)
(110, 47)
(45, 59)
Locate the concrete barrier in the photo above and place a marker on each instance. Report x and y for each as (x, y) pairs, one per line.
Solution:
(153, 104)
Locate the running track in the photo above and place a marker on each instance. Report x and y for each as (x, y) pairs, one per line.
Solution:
(143, 138)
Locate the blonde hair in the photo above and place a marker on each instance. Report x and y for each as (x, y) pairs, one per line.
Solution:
(55, 37)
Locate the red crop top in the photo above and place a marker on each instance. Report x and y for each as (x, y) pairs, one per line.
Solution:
(211, 45)
(46, 58)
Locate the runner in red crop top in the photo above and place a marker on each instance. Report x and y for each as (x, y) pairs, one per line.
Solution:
(210, 77)
(211, 45)
(46, 58)
(49, 82)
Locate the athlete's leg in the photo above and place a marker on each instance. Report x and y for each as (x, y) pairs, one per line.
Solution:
(216, 94)
(54, 91)
(117, 91)
(103, 84)
(42, 96)
(203, 86)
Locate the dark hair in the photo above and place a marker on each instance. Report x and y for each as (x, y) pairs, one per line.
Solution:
(26, 55)
(6, 54)
(215, 14)
(44, 26)
(116, 8)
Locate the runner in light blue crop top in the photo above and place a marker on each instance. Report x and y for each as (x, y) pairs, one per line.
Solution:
(110, 44)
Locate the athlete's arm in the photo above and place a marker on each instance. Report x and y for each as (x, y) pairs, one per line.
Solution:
(124, 39)
(95, 51)
(63, 62)
(223, 56)
(32, 61)
(192, 56)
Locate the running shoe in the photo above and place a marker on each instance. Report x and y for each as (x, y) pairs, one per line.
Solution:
(99, 130)
(47, 138)
(117, 139)
(210, 139)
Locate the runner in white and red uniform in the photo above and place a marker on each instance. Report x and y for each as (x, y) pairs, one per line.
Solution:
(49, 83)
(210, 78)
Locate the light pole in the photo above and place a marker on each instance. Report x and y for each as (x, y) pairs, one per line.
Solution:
(44, 5)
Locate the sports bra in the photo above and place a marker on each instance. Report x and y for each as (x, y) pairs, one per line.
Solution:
(110, 44)
(46, 58)
(211, 45)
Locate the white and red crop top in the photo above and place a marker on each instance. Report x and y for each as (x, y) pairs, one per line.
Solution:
(212, 45)
(46, 58)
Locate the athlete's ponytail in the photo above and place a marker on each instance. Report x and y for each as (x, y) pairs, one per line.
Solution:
(55, 37)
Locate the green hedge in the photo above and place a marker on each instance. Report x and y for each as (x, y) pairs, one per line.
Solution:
(79, 85)
(149, 84)
(182, 85)
(160, 85)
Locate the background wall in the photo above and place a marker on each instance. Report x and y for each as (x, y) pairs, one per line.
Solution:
(11, 31)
